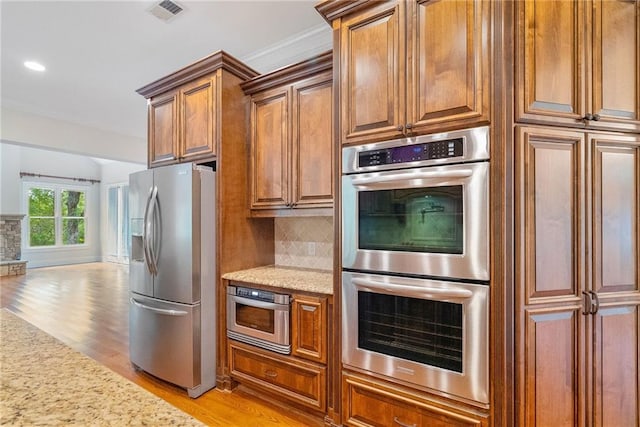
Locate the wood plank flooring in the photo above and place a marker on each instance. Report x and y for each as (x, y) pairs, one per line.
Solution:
(86, 307)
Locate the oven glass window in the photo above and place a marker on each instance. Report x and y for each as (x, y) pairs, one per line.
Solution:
(424, 331)
(426, 220)
(255, 318)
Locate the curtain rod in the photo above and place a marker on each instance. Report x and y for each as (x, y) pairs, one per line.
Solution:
(92, 181)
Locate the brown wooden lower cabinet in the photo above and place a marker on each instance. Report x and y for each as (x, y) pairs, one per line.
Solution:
(369, 402)
(298, 381)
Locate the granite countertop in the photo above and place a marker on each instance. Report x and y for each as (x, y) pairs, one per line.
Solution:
(300, 279)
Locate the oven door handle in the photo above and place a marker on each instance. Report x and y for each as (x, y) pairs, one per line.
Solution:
(413, 291)
(259, 304)
(404, 177)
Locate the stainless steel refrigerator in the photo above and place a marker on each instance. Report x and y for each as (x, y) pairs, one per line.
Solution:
(172, 323)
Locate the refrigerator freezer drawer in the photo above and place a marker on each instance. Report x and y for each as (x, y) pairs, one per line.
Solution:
(164, 339)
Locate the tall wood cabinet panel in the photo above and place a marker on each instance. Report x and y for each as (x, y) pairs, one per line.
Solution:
(199, 119)
(270, 149)
(577, 201)
(616, 271)
(413, 67)
(372, 73)
(312, 152)
(578, 63)
(292, 149)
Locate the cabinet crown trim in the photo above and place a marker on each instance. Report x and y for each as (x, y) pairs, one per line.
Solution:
(290, 74)
(334, 9)
(204, 66)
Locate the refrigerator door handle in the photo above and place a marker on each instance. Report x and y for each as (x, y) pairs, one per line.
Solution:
(159, 310)
(156, 226)
(146, 233)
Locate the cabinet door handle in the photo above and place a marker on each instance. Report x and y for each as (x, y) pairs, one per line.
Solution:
(308, 308)
(409, 126)
(400, 423)
(588, 305)
(400, 128)
(596, 117)
(588, 117)
(596, 306)
(271, 374)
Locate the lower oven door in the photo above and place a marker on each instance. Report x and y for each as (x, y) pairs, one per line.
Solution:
(426, 333)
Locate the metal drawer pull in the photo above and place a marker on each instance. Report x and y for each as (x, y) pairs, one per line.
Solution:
(308, 308)
(270, 373)
(400, 423)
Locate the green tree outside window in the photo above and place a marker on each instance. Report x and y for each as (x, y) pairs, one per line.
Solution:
(48, 207)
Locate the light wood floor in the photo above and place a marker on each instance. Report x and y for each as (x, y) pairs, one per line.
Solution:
(86, 307)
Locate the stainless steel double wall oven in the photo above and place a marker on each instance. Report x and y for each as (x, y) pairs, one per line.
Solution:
(415, 258)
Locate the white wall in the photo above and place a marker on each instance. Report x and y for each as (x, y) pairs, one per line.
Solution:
(43, 132)
(15, 159)
(10, 188)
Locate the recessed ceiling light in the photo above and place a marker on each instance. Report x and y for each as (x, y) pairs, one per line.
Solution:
(35, 66)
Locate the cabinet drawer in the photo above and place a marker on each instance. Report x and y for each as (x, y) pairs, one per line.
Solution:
(371, 404)
(298, 381)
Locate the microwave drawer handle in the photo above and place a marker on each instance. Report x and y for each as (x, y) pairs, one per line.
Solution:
(403, 177)
(259, 304)
(413, 291)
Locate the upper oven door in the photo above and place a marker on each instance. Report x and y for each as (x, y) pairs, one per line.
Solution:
(430, 221)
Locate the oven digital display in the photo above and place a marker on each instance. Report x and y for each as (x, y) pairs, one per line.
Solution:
(449, 148)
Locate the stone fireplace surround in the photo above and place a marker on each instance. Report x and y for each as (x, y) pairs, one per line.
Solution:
(11, 245)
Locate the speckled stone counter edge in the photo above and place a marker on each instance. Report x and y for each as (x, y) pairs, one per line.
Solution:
(317, 281)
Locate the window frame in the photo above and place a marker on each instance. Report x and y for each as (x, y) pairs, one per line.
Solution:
(58, 217)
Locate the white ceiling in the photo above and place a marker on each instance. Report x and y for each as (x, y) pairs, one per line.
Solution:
(97, 53)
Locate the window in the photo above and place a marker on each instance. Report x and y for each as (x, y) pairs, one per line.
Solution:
(56, 215)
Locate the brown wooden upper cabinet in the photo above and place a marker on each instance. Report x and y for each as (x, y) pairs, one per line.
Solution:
(578, 63)
(292, 140)
(411, 67)
(186, 109)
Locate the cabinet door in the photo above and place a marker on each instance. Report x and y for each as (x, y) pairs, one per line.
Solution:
(616, 214)
(198, 119)
(163, 129)
(372, 77)
(448, 78)
(616, 64)
(550, 62)
(312, 143)
(309, 328)
(617, 364)
(550, 240)
(616, 266)
(270, 147)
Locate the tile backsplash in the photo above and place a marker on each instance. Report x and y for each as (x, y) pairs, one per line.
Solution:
(305, 242)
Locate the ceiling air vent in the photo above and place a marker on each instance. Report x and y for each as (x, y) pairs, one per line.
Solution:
(166, 10)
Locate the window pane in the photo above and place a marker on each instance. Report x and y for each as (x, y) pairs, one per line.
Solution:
(42, 232)
(41, 202)
(73, 203)
(72, 231)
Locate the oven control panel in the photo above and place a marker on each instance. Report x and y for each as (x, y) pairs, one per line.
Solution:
(443, 149)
